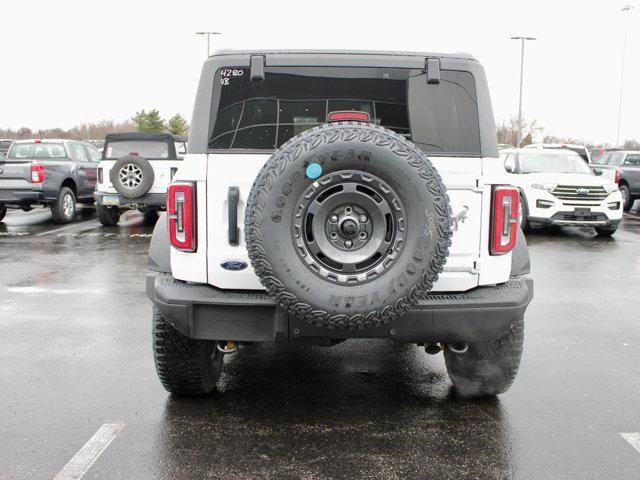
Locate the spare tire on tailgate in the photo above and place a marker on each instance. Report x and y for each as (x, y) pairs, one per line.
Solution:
(348, 225)
(132, 176)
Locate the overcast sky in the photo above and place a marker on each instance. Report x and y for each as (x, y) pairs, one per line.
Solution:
(67, 62)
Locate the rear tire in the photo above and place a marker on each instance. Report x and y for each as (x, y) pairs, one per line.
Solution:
(108, 216)
(487, 368)
(3, 211)
(184, 366)
(606, 231)
(150, 217)
(63, 210)
(627, 200)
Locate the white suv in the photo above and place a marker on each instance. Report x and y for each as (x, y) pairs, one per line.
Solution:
(134, 173)
(325, 196)
(558, 188)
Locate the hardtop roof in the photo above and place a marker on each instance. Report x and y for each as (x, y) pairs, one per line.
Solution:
(386, 53)
(540, 151)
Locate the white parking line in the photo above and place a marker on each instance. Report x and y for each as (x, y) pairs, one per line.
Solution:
(633, 439)
(73, 225)
(87, 455)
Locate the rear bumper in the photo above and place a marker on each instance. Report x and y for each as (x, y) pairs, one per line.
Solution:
(594, 219)
(148, 200)
(204, 312)
(20, 197)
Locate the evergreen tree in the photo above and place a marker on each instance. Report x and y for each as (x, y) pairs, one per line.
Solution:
(177, 125)
(148, 122)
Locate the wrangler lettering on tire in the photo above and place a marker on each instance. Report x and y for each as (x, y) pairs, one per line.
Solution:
(358, 244)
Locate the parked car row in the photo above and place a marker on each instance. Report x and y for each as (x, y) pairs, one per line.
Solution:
(133, 172)
(134, 169)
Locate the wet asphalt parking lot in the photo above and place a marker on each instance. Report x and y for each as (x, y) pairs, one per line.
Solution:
(75, 355)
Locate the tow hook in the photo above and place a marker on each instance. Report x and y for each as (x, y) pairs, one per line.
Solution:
(227, 347)
(458, 347)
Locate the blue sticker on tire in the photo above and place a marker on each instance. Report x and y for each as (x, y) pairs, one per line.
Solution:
(314, 170)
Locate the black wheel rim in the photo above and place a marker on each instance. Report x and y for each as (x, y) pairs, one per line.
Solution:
(349, 227)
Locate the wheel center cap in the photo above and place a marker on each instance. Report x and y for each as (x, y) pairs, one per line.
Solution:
(349, 228)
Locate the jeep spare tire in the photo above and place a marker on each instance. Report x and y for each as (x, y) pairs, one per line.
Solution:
(132, 176)
(347, 225)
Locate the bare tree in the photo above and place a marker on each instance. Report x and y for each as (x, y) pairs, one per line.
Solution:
(570, 140)
(508, 131)
(631, 145)
(84, 131)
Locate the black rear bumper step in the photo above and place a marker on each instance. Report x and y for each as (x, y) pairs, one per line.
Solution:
(205, 312)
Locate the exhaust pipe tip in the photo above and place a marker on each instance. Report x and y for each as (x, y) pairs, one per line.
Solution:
(458, 347)
(227, 347)
(432, 348)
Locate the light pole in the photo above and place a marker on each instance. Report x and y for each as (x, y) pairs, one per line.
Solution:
(208, 34)
(626, 9)
(522, 40)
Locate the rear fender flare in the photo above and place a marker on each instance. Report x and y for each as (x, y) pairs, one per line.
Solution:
(520, 262)
(159, 250)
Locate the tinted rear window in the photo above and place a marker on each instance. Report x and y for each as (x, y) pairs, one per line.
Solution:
(145, 149)
(37, 150)
(633, 159)
(580, 151)
(264, 114)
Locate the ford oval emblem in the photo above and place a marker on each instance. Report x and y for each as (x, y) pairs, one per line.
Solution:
(234, 265)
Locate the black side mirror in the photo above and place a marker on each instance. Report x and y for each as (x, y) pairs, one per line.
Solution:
(596, 171)
(509, 168)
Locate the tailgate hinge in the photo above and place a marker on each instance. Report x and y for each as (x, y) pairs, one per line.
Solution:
(432, 66)
(257, 67)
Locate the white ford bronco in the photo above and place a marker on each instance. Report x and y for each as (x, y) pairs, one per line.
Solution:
(134, 173)
(327, 196)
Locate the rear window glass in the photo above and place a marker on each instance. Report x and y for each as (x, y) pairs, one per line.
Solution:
(181, 149)
(633, 159)
(265, 114)
(37, 150)
(145, 149)
(580, 151)
(533, 162)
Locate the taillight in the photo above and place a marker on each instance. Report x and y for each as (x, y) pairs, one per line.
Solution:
(37, 173)
(181, 213)
(100, 175)
(345, 115)
(617, 180)
(504, 221)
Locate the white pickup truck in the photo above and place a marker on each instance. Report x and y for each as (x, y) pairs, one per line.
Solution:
(335, 195)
